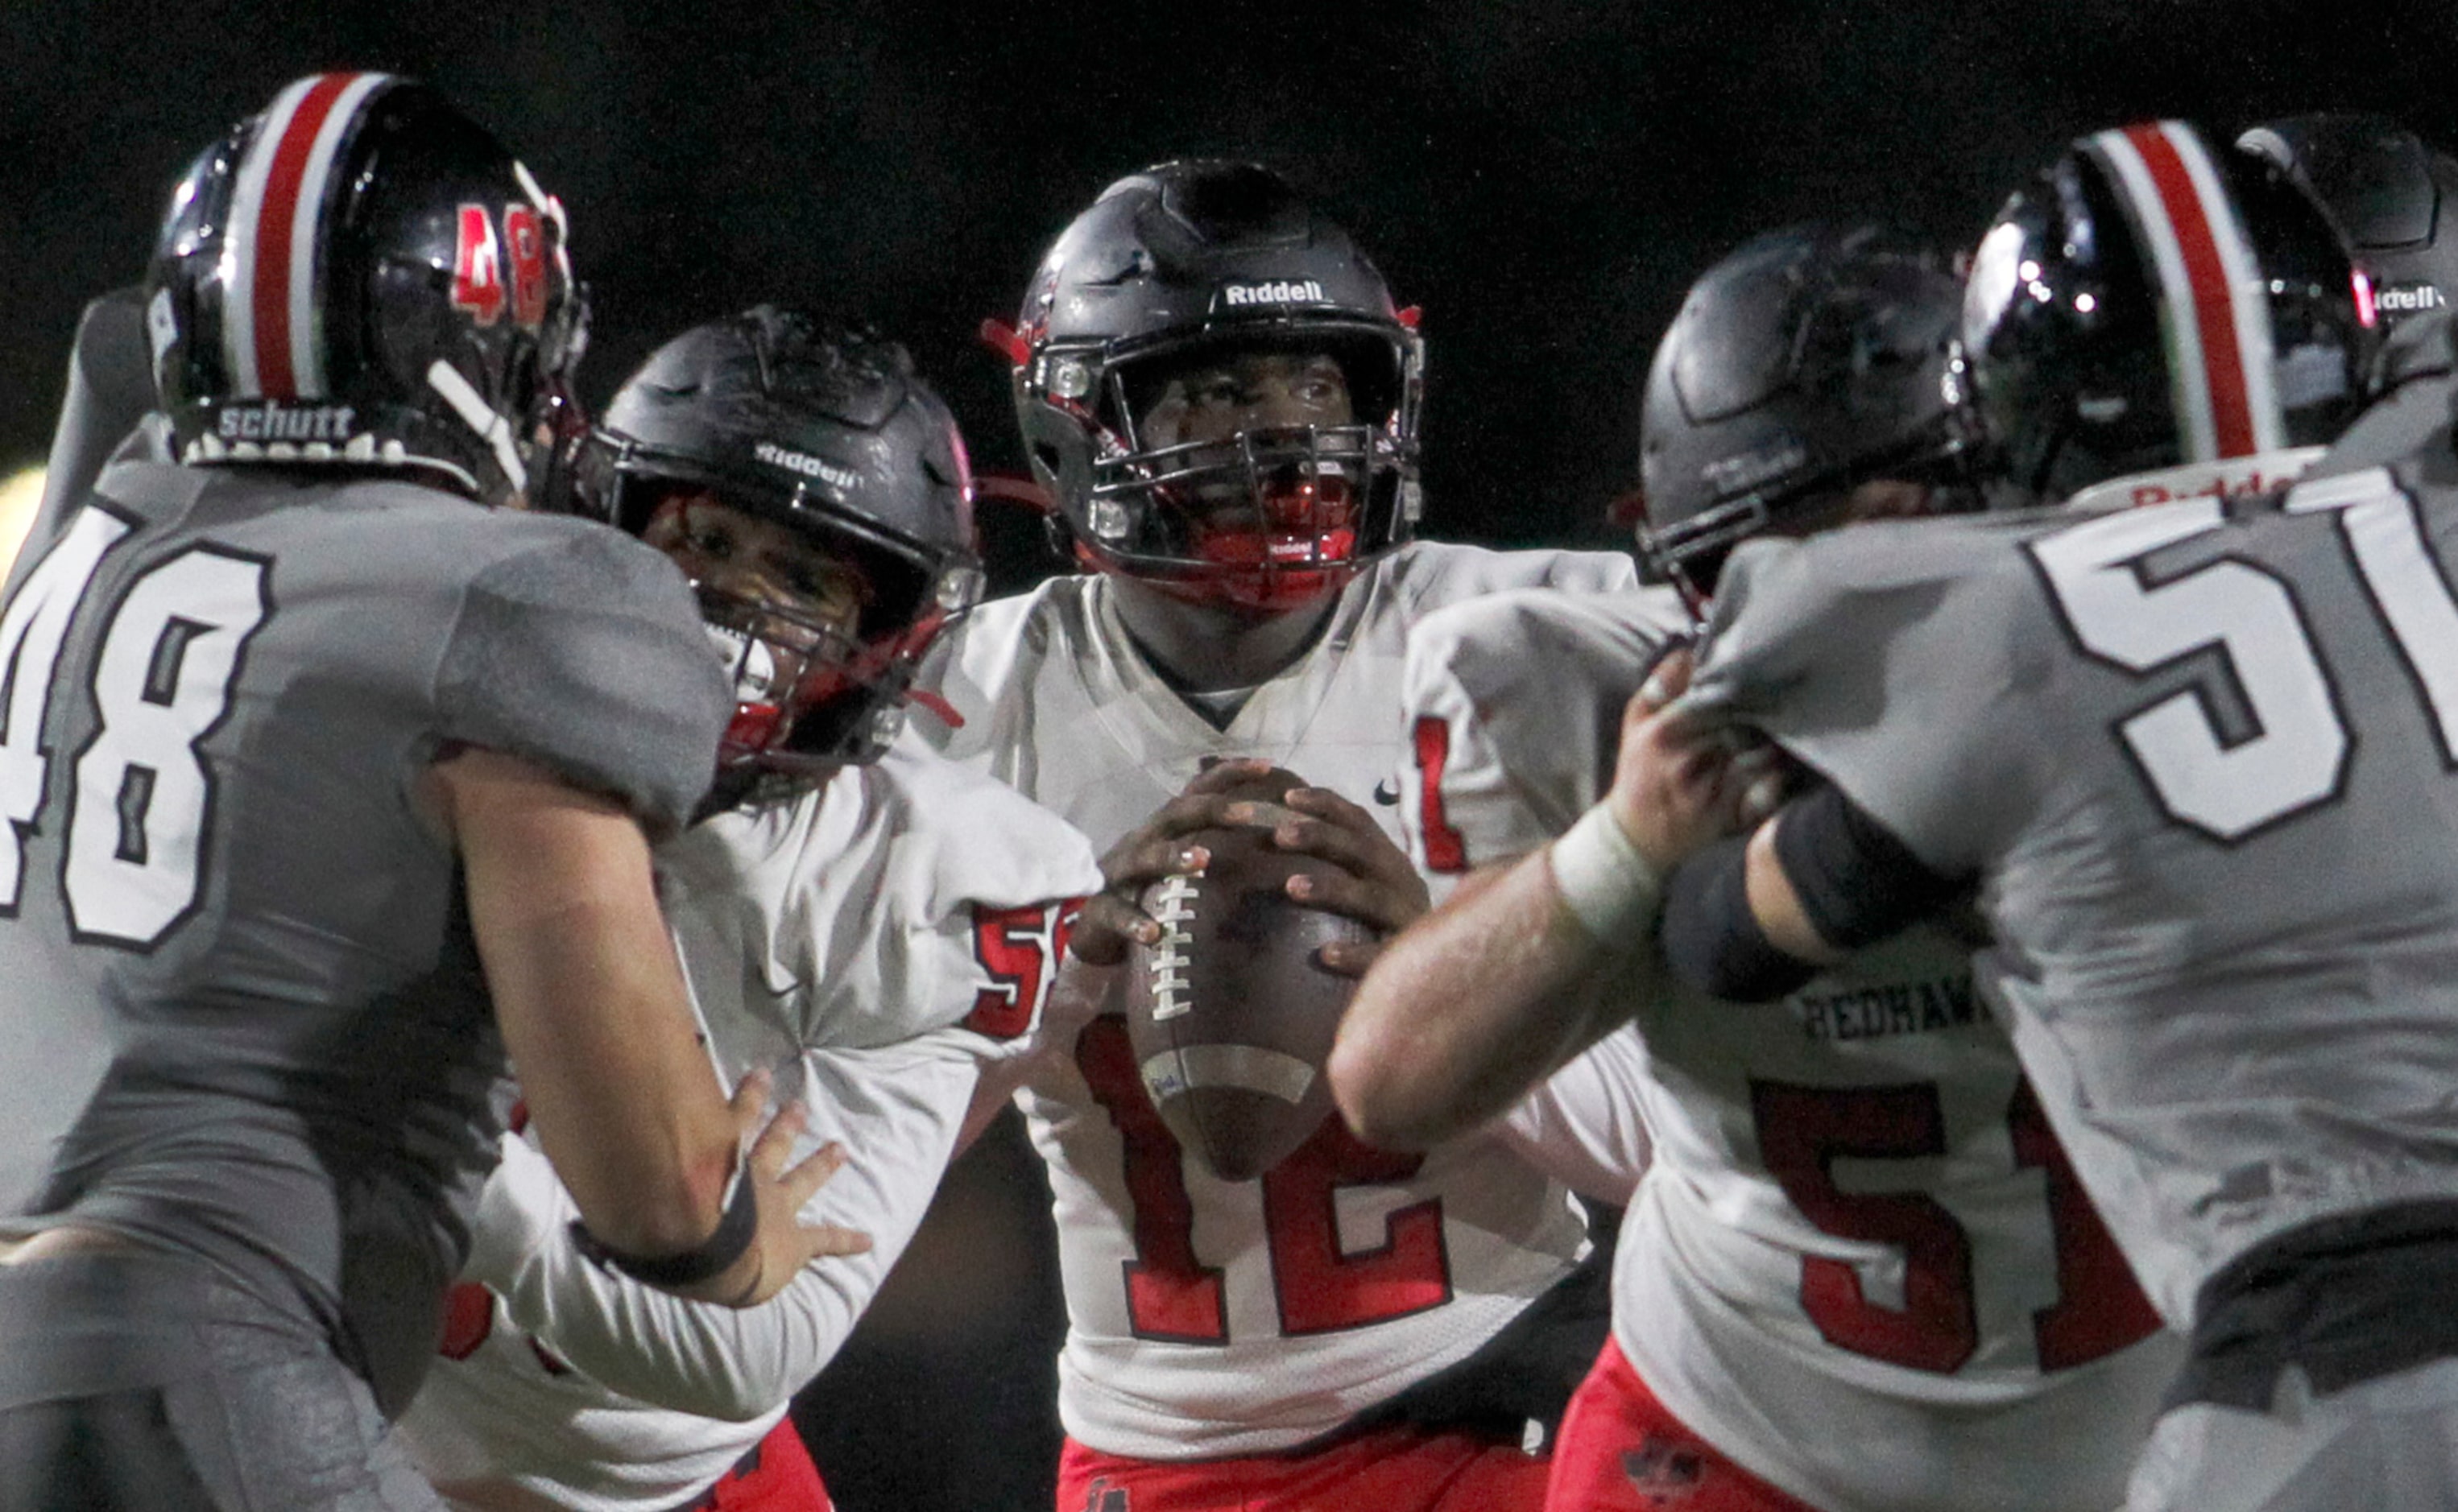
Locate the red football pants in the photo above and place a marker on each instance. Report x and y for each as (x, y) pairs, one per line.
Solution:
(776, 1476)
(1621, 1451)
(1397, 1469)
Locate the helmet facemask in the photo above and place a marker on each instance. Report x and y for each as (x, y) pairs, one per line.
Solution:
(1265, 517)
(817, 685)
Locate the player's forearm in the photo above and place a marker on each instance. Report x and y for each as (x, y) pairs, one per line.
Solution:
(1466, 1009)
(592, 1003)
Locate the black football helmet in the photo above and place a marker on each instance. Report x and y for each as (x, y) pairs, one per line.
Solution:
(2149, 301)
(1806, 362)
(2387, 190)
(363, 277)
(827, 430)
(1169, 265)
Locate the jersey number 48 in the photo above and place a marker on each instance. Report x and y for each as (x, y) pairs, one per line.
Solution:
(139, 795)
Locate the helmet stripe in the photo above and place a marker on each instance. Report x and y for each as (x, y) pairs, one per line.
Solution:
(269, 327)
(2247, 291)
(305, 311)
(2213, 312)
(237, 262)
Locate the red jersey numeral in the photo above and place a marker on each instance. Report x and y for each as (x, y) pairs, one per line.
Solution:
(525, 239)
(468, 1317)
(1803, 1130)
(1169, 1296)
(1018, 950)
(478, 267)
(1320, 1287)
(470, 1321)
(1445, 850)
(2100, 1307)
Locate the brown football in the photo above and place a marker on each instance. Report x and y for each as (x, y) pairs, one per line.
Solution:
(1229, 1014)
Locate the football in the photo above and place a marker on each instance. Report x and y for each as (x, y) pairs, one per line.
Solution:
(1229, 1014)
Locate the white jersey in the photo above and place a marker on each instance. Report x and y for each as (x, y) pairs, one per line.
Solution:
(874, 944)
(1210, 1318)
(1859, 1264)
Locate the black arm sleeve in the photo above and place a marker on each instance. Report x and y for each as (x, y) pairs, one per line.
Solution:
(1857, 882)
(1712, 939)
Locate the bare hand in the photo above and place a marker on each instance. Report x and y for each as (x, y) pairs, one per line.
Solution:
(1683, 779)
(783, 1244)
(1369, 880)
(1142, 857)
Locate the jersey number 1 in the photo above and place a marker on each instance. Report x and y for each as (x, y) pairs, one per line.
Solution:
(140, 796)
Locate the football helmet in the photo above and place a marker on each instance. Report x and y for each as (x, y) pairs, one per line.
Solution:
(1171, 266)
(363, 277)
(2150, 301)
(826, 430)
(1806, 362)
(2387, 190)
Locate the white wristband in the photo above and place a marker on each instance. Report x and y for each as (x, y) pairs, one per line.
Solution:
(1604, 880)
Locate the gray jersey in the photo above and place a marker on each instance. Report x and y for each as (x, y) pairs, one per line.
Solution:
(244, 1014)
(109, 392)
(2201, 766)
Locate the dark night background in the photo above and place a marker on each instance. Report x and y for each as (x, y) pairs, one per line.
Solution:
(1542, 178)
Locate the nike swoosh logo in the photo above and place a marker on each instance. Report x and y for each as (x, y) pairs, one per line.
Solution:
(1386, 795)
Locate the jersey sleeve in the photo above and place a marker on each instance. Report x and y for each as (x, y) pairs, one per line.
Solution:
(585, 653)
(896, 1111)
(1002, 879)
(1581, 1126)
(1515, 706)
(1895, 659)
(110, 391)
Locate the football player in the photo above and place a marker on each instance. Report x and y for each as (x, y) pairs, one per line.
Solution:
(2227, 971)
(874, 922)
(1214, 386)
(2218, 947)
(1860, 1275)
(327, 785)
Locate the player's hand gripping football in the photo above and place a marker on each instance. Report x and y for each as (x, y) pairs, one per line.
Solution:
(783, 1243)
(1154, 850)
(1369, 878)
(1683, 779)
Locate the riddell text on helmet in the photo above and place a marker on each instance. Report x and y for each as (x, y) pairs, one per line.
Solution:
(804, 463)
(1284, 291)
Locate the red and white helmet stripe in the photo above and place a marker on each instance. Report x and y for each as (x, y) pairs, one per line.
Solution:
(272, 335)
(2215, 305)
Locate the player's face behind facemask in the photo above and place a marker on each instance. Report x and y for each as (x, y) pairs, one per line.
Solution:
(783, 607)
(1253, 459)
